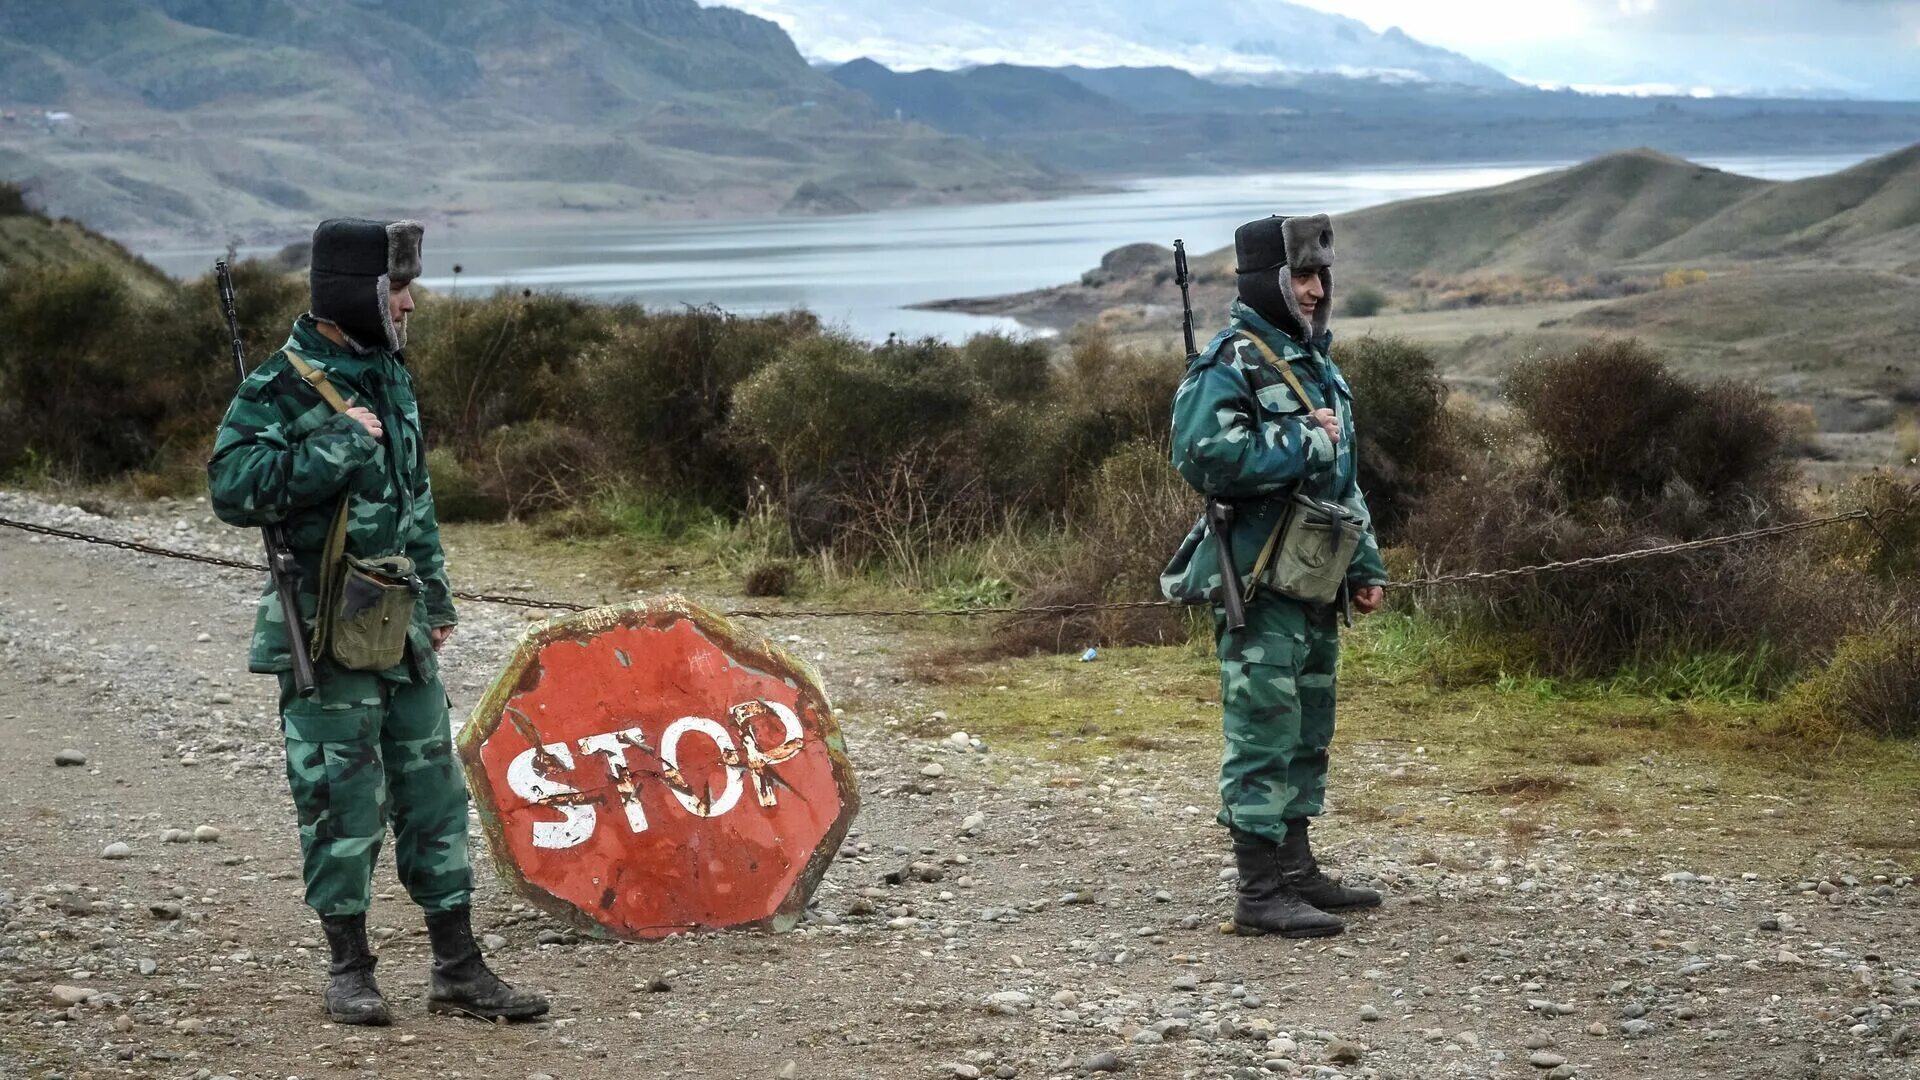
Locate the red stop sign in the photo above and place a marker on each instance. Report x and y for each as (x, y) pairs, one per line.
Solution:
(646, 770)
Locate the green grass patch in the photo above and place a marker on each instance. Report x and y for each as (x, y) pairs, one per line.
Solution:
(1622, 760)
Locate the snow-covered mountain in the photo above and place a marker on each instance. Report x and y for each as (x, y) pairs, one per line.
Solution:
(1245, 38)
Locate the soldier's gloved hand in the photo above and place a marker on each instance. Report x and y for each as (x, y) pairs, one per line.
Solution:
(1329, 422)
(366, 419)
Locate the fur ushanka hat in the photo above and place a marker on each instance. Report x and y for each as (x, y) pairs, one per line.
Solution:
(356, 263)
(1269, 252)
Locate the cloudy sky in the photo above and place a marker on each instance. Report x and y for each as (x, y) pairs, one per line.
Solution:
(1858, 48)
(1870, 48)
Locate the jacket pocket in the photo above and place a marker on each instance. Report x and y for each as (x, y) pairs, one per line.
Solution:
(1280, 400)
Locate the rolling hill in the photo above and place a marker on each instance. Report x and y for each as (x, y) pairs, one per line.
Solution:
(1603, 213)
(1634, 211)
(29, 239)
(1810, 287)
(1868, 215)
(217, 117)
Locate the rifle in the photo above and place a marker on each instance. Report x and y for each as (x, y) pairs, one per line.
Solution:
(1218, 511)
(280, 562)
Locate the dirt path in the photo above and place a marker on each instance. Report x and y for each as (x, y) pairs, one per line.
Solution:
(1080, 921)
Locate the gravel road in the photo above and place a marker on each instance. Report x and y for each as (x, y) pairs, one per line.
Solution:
(151, 924)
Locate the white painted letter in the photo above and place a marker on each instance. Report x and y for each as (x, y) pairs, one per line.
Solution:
(613, 746)
(729, 754)
(528, 783)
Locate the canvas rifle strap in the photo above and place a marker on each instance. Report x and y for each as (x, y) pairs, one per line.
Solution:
(1267, 550)
(333, 555)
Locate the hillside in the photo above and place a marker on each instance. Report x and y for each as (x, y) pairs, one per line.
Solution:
(1809, 287)
(29, 239)
(1866, 215)
(1603, 213)
(989, 100)
(215, 117)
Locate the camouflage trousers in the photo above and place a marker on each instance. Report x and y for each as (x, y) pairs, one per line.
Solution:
(363, 752)
(1277, 695)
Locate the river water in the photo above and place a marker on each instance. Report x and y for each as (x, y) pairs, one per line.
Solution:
(864, 271)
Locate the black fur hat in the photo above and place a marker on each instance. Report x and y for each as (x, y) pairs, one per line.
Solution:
(356, 263)
(1273, 249)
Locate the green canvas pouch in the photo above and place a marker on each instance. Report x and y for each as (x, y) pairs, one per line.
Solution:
(1307, 555)
(372, 609)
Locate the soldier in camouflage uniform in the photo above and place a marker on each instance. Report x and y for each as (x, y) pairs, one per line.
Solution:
(367, 748)
(1242, 434)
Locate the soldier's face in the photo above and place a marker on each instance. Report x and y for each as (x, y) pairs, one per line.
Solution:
(1308, 293)
(399, 305)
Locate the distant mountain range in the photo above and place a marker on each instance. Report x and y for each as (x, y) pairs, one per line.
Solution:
(1207, 37)
(250, 118)
(247, 116)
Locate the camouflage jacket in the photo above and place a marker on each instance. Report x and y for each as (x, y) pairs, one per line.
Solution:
(283, 455)
(1241, 434)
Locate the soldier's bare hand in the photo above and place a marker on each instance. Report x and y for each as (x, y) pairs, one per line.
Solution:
(1329, 422)
(1368, 600)
(366, 420)
(440, 635)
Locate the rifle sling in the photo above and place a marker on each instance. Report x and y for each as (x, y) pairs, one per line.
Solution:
(333, 555)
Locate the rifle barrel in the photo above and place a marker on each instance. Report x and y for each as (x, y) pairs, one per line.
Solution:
(280, 563)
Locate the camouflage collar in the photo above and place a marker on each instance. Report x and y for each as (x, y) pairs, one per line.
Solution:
(1282, 342)
(318, 347)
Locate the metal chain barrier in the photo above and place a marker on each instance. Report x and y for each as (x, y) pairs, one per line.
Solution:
(1461, 578)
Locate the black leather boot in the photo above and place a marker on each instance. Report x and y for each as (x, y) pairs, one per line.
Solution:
(1267, 904)
(461, 983)
(1303, 873)
(352, 996)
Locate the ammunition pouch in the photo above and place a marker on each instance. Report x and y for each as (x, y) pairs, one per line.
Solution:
(366, 605)
(1307, 555)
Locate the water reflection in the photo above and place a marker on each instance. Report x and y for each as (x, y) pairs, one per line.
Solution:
(863, 271)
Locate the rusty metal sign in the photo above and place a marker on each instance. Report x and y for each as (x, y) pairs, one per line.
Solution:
(646, 770)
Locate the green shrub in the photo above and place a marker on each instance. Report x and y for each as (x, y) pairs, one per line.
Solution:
(70, 385)
(1409, 440)
(659, 391)
(1011, 369)
(1365, 301)
(458, 494)
(1129, 519)
(1872, 685)
(13, 201)
(1888, 548)
(539, 466)
(1613, 421)
(774, 577)
(480, 365)
(831, 406)
(1608, 451)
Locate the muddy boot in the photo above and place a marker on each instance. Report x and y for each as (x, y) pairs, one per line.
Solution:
(461, 982)
(352, 997)
(1267, 904)
(1316, 888)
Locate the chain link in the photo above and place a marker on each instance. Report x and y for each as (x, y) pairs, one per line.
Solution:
(1461, 578)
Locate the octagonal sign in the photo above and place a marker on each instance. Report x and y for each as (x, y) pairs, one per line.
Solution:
(646, 770)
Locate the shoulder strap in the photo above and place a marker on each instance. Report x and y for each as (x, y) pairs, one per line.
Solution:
(1285, 369)
(335, 551)
(315, 378)
(1267, 550)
